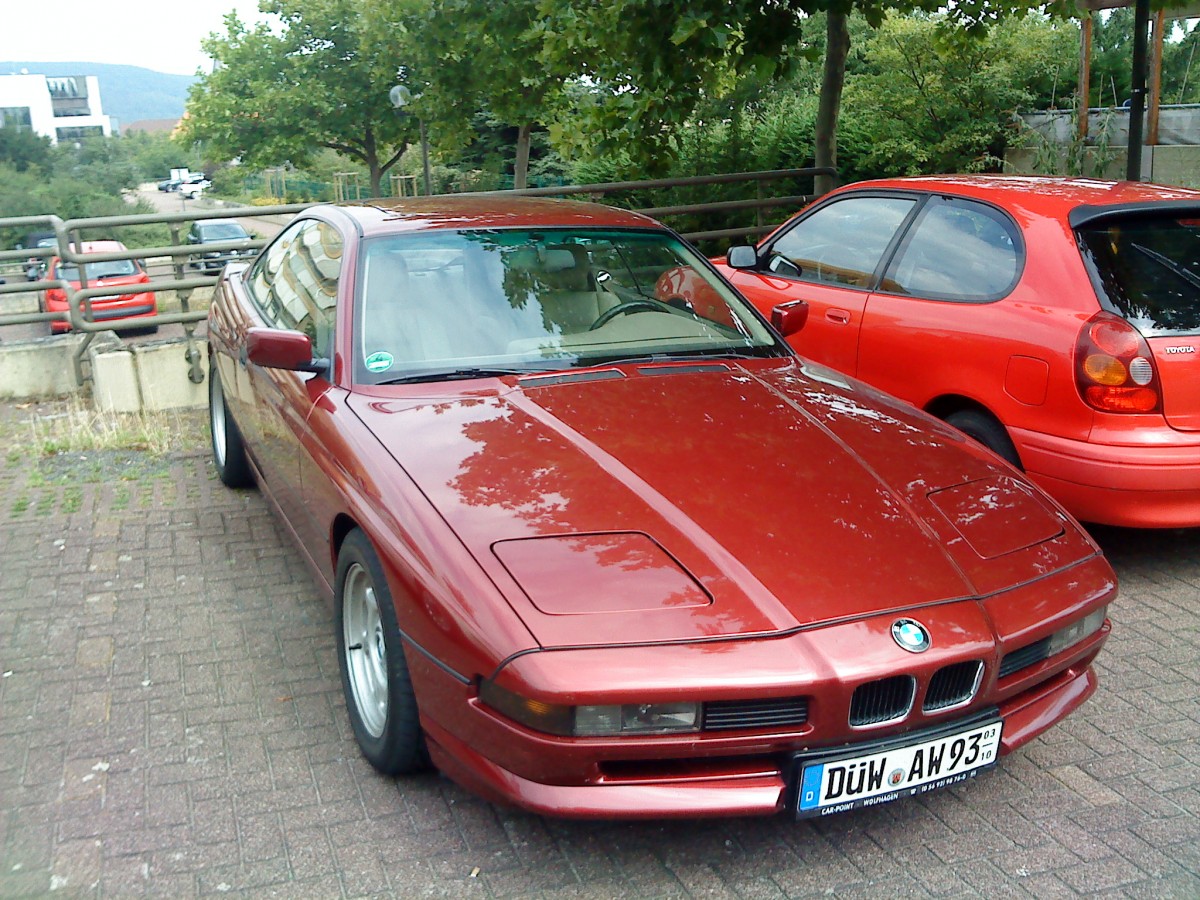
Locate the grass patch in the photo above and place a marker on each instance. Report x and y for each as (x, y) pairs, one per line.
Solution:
(73, 443)
(77, 429)
(20, 505)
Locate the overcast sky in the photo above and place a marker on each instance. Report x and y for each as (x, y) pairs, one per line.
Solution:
(154, 34)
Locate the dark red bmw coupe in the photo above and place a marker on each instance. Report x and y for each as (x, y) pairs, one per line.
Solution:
(597, 551)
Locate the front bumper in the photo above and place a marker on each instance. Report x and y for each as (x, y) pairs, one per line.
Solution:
(1152, 484)
(748, 771)
(755, 786)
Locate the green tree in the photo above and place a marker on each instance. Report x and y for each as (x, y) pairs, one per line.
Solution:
(320, 81)
(478, 58)
(22, 148)
(1181, 66)
(651, 62)
(153, 155)
(923, 105)
(1112, 50)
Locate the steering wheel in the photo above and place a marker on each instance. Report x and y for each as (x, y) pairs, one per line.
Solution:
(624, 308)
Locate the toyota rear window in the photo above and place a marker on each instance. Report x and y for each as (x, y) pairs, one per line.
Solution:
(1147, 269)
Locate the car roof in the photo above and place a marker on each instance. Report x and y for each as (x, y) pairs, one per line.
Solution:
(101, 247)
(1042, 195)
(486, 212)
(202, 222)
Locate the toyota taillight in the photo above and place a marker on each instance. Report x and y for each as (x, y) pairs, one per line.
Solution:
(1114, 370)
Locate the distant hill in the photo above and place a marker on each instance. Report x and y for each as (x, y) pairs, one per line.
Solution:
(129, 93)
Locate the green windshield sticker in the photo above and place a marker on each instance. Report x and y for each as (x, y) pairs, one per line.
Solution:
(380, 361)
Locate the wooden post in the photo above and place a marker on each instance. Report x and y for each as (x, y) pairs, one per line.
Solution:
(1085, 78)
(1156, 58)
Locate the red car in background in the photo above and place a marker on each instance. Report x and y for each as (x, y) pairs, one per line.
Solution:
(135, 303)
(601, 553)
(1057, 321)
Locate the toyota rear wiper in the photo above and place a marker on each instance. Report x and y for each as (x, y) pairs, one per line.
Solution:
(1169, 264)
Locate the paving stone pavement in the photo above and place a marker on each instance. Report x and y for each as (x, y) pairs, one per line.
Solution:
(171, 724)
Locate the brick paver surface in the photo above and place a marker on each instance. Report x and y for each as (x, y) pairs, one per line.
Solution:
(171, 723)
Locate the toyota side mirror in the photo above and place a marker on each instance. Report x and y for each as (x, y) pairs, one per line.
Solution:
(743, 257)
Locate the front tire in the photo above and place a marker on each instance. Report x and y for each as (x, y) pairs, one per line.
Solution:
(228, 451)
(988, 431)
(375, 679)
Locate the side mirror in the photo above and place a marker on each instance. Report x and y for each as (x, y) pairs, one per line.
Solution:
(788, 318)
(274, 348)
(743, 257)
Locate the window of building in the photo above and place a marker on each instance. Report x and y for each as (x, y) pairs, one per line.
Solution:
(17, 117)
(83, 131)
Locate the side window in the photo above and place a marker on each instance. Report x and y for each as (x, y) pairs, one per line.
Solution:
(295, 282)
(841, 243)
(957, 250)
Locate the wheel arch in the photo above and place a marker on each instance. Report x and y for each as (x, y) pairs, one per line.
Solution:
(948, 404)
(342, 525)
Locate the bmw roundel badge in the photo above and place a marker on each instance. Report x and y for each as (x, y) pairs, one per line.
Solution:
(910, 635)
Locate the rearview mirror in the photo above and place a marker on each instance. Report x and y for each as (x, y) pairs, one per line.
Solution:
(275, 348)
(788, 318)
(743, 257)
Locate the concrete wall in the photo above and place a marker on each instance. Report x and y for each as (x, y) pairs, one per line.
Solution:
(125, 377)
(42, 367)
(151, 376)
(1174, 165)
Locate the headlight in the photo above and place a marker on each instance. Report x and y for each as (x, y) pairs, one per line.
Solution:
(637, 718)
(593, 721)
(1077, 631)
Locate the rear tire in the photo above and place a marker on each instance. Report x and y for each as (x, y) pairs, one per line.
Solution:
(228, 451)
(985, 429)
(375, 679)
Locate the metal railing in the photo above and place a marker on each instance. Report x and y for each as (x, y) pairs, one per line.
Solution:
(80, 315)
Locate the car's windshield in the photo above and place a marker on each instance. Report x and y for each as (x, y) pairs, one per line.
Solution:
(464, 303)
(110, 268)
(222, 231)
(1148, 269)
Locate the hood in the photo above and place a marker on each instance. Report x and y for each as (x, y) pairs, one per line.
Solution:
(680, 502)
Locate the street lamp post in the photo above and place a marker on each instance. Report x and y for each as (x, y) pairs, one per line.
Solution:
(401, 96)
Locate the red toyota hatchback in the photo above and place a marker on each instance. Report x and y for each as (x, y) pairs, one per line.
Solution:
(601, 554)
(135, 303)
(1057, 321)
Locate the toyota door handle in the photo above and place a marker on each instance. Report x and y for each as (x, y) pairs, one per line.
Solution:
(838, 316)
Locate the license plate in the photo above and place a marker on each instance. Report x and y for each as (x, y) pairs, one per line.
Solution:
(879, 776)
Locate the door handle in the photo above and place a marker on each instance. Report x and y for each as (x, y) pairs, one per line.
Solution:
(838, 316)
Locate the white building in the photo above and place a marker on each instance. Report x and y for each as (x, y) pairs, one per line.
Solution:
(61, 107)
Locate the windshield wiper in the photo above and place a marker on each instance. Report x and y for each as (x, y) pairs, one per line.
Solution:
(739, 354)
(456, 374)
(1169, 264)
(678, 356)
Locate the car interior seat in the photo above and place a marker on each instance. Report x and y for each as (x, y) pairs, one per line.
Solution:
(569, 294)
